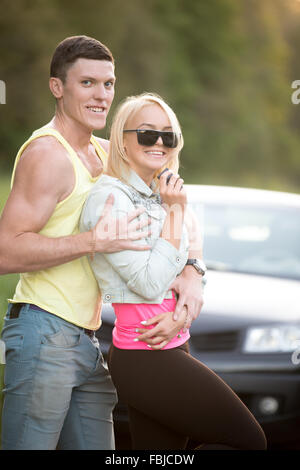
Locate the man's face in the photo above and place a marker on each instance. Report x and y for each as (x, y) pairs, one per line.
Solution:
(88, 92)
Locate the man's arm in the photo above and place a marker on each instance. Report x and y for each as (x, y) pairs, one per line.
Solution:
(44, 177)
(189, 285)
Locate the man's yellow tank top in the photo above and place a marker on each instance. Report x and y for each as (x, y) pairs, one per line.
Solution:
(69, 290)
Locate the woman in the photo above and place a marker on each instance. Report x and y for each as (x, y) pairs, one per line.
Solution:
(170, 395)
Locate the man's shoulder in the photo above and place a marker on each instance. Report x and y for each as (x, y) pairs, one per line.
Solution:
(44, 164)
(46, 150)
(103, 142)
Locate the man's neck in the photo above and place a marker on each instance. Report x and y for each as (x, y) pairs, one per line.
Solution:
(76, 135)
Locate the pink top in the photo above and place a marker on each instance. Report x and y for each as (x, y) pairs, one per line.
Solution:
(129, 317)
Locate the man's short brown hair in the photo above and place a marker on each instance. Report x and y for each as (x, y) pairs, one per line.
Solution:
(73, 48)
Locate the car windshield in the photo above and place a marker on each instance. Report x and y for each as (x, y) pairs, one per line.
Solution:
(250, 239)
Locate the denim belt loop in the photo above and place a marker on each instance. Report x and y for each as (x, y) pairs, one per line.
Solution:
(90, 333)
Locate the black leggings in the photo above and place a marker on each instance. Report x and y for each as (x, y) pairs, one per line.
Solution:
(171, 397)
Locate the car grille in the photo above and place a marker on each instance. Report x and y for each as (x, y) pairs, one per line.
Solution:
(225, 341)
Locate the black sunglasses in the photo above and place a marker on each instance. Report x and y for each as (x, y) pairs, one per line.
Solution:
(149, 137)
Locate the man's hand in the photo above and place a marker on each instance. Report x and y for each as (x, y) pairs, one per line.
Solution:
(165, 329)
(111, 235)
(188, 286)
(167, 325)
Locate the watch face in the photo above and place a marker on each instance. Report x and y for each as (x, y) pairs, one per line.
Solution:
(200, 266)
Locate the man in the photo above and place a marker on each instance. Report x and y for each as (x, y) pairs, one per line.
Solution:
(58, 392)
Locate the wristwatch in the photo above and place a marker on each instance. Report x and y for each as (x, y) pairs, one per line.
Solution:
(198, 264)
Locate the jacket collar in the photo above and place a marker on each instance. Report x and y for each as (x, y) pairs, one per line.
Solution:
(139, 184)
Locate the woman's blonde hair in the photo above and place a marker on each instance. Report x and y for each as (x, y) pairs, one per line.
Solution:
(118, 163)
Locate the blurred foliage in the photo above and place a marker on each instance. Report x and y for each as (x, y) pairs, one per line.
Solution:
(225, 66)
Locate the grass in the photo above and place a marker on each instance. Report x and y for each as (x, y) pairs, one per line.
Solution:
(7, 282)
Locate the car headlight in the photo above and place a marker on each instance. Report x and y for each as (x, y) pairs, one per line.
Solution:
(272, 339)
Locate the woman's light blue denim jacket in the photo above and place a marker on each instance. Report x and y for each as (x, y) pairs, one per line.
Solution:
(132, 276)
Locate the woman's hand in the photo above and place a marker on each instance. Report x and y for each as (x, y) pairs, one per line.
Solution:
(173, 192)
(188, 286)
(111, 235)
(164, 330)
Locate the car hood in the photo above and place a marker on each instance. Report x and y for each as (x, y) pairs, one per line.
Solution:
(251, 296)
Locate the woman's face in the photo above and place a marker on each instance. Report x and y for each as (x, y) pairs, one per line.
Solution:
(145, 160)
